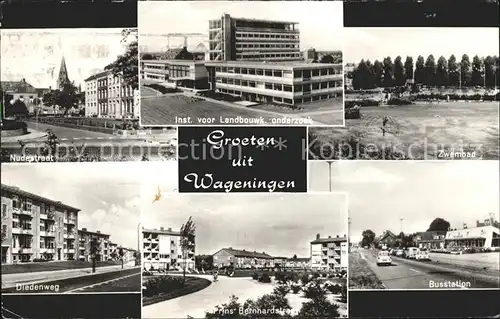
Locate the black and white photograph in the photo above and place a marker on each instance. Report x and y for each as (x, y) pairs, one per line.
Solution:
(245, 255)
(70, 228)
(72, 96)
(47, 14)
(104, 306)
(421, 13)
(417, 94)
(426, 225)
(247, 63)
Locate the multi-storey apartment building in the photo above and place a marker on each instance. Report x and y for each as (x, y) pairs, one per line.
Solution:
(175, 73)
(253, 39)
(242, 258)
(290, 83)
(162, 249)
(88, 239)
(107, 95)
(329, 253)
(35, 227)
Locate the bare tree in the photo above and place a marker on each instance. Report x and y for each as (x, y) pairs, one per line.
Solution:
(187, 242)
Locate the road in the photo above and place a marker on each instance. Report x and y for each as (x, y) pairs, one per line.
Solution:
(196, 304)
(412, 274)
(126, 280)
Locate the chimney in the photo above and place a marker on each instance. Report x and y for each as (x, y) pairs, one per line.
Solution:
(244, 250)
(98, 231)
(169, 229)
(337, 236)
(161, 228)
(345, 235)
(330, 236)
(317, 236)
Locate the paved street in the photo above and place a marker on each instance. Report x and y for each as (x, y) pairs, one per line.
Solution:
(217, 293)
(411, 274)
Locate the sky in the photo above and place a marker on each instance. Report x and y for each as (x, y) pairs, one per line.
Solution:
(377, 43)
(382, 192)
(35, 55)
(321, 30)
(108, 194)
(281, 225)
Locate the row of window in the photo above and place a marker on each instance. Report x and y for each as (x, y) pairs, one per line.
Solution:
(281, 73)
(264, 36)
(295, 101)
(281, 87)
(268, 46)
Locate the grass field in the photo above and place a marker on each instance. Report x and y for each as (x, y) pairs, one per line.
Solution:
(128, 284)
(419, 131)
(361, 276)
(163, 110)
(192, 284)
(322, 105)
(52, 266)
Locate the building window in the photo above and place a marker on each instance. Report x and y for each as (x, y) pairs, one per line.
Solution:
(15, 202)
(4, 210)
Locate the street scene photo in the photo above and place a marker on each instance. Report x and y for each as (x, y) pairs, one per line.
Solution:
(429, 96)
(70, 228)
(421, 13)
(241, 63)
(72, 95)
(419, 225)
(244, 256)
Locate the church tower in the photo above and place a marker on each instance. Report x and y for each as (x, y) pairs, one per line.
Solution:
(63, 75)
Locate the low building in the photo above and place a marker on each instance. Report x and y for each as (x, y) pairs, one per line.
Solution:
(298, 262)
(280, 261)
(108, 96)
(89, 238)
(290, 83)
(479, 237)
(175, 73)
(431, 239)
(162, 249)
(242, 258)
(329, 253)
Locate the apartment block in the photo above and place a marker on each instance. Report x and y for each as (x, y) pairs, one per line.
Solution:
(35, 227)
(329, 253)
(175, 73)
(88, 239)
(290, 83)
(241, 258)
(162, 249)
(253, 39)
(108, 96)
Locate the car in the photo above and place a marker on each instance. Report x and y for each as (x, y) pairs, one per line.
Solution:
(422, 255)
(399, 253)
(383, 258)
(411, 252)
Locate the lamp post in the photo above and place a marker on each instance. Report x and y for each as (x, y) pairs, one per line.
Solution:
(329, 175)
(401, 219)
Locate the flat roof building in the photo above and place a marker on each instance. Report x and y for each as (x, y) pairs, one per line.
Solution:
(175, 73)
(479, 237)
(253, 39)
(290, 83)
(101, 241)
(329, 253)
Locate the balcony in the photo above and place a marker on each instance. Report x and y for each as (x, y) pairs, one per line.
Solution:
(69, 250)
(70, 221)
(47, 250)
(47, 234)
(22, 231)
(25, 250)
(69, 236)
(16, 210)
(44, 216)
(24, 212)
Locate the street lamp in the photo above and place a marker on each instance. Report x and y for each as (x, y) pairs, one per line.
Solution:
(401, 219)
(330, 174)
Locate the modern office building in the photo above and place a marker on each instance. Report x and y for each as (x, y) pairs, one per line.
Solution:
(290, 83)
(329, 253)
(35, 227)
(175, 73)
(87, 239)
(108, 96)
(253, 39)
(162, 249)
(242, 258)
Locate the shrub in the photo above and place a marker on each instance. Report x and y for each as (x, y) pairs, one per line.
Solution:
(343, 293)
(365, 102)
(265, 278)
(305, 279)
(162, 284)
(399, 101)
(295, 288)
(281, 290)
(13, 125)
(255, 276)
(314, 291)
(320, 308)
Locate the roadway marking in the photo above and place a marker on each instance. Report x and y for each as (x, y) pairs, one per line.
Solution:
(362, 256)
(101, 283)
(415, 270)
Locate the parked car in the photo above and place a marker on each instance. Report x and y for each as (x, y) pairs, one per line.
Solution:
(411, 252)
(383, 258)
(399, 253)
(422, 255)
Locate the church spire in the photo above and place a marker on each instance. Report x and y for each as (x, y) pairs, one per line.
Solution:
(63, 75)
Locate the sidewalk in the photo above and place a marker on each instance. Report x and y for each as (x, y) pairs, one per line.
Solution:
(32, 135)
(11, 280)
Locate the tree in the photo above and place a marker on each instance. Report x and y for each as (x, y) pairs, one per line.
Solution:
(121, 253)
(430, 71)
(477, 71)
(16, 109)
(453, 71)
(327, 59)
(420, 70)
(126, 66)
(67, 98)
(378, 73)
(439, 224)
(489, 71)
(497, 71)
(388, 79)
(409, 68)
(294, 257)
(442, 72)
(465, 71)
(368, 238)
(399, 72)
(93, 252)
(187, 242)
(362, 76)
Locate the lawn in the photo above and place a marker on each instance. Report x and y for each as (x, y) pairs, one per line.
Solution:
(129, 284)
(322, 105)
(52, 266)
(419, 131)
(163, 110)
(361, 276)
(191, 285)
